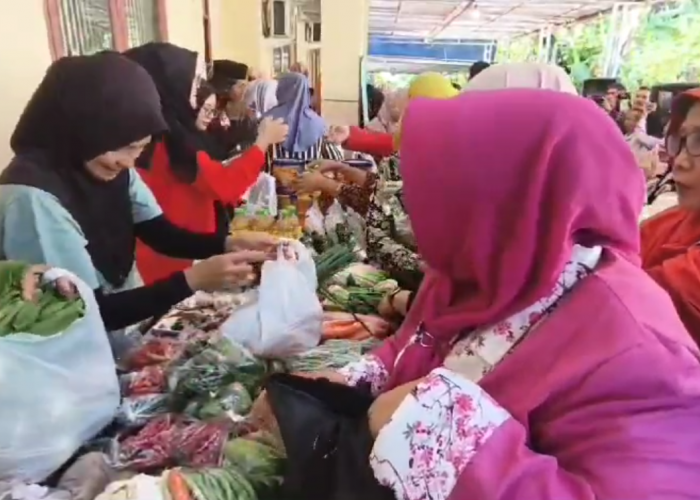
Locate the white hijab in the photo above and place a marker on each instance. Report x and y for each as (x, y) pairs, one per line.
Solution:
(523, 75)
(261, 95)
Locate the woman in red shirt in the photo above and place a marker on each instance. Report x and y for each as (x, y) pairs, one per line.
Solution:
(180, 167)
(670, 249)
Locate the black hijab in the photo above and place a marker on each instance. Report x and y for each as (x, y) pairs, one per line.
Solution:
(84, 107)
(173, 70)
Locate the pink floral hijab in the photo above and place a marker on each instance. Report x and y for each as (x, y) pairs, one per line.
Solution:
(496, 225)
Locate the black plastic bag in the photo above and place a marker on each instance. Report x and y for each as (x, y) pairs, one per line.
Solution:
(325, 431)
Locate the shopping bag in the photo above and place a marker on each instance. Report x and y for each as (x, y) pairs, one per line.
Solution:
(314, 220)
(263, 195)
(285, 316)
(325, 431)
(57, 392)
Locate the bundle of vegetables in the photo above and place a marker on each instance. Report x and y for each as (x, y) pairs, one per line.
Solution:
(155, 351)
(168, 440)
(332, 261)
(358, 288)
(331, 355)
(136, 411)
(49, 313)
(352, 326)
(232, 401)
(253, 469)
(210, 374)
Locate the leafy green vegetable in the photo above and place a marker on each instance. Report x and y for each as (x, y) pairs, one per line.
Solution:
(50, 313)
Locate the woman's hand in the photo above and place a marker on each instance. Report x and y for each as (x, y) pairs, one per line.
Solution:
(315, 181)
(394, 303)
(224, 271)
(252, 240)
(349, 174)
(271, 132)
(386, 405)
(31, 282)
(338, 134)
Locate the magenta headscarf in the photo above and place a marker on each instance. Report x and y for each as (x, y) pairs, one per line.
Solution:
(499, 186)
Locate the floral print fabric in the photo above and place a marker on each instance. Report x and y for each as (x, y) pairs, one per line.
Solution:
(478, 353)
(368, 370)
(439, 428)
(433, 435)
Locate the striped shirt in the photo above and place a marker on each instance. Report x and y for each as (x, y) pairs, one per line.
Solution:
(322, 150)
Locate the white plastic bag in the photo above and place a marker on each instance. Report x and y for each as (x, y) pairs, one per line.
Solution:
(314, 220)
(57, 392)
(285, 318)
(263, 194)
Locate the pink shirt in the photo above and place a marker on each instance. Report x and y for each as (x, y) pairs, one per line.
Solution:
(600, 401)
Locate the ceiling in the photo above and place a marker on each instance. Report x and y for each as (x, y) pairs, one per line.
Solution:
(475, 19)
(468, 19)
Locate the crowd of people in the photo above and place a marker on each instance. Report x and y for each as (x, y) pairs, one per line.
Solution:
(548, 345)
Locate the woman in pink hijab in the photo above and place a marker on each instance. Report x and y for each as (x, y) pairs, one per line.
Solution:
(539, 361)
(522, 75)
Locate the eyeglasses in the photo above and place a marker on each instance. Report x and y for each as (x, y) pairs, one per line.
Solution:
(209, 112)
(691, 142)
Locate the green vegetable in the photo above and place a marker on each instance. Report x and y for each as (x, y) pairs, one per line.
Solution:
(220, 484)
(255, 459)
(49, 314)
(232, 399)
(331, 355)
(333, 260)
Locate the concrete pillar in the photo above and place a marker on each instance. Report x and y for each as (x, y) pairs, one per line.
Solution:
(344, 32)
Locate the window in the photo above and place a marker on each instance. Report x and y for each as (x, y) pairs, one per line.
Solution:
(142, 22)
(279, 18)
(88, 26)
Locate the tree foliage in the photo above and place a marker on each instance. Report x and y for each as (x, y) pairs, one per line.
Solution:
(664, 46)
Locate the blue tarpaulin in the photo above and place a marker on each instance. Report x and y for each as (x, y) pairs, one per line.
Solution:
(441, 50)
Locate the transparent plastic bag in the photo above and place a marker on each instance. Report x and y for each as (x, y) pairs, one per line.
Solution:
(286, 317)
(137, 411)
(263, 195)
(314, 220)
(58, 391)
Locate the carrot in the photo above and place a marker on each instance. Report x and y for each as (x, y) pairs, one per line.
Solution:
(340, 329)
(178, 486)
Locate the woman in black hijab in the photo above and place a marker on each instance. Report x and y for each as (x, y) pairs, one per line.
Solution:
(181, 169)
(70, 199)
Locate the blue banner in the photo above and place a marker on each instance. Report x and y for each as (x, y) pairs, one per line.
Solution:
(466, 51)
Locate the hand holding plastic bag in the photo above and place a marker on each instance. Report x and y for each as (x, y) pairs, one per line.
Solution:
(287, 315)
(63, 382)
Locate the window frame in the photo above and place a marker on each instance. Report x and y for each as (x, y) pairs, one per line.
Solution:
(120, 27)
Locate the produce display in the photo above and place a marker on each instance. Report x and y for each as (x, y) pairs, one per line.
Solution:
(183, 430)
(48, 314)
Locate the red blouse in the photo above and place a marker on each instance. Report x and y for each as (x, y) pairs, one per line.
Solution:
(378, 144)
(191, 206)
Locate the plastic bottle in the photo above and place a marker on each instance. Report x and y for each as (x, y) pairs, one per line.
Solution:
(241, 219)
